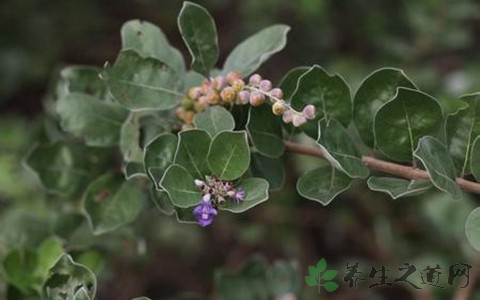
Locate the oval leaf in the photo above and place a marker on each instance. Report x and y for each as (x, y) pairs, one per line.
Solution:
(311, 281)
(143, 83)
(229, 155)
(159, 155)
(148, 40)
(192, 151)
(321, 265)
(265, 130)
(200, 35)
(180, 186)
(289, 82)
(269, 168)
(256, 192)
(111, 202)
(376, 89)
(436, 159)
(331, 286)
(330, 95)
(312, 271)
(461, 129)
(97, 122)
(339, 149)
(214, 120)
(397, 187)
(400, 122)
(472, 228)
(249, 55)
(322, 184)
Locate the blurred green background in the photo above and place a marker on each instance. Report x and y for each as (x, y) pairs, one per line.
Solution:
(436, 42)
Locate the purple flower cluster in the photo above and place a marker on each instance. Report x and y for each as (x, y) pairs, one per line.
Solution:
(215, 194)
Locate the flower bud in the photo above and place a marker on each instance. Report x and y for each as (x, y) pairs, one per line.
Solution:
(232, 76)
(243, 97)
(206, 198)
(201, 104)
(219, 83)
(213, 97)
(298, 120)
(221, 201)
(287, 116)
(279, 107)
(238, 85)
(265, 85)
(188, 117)
(276, 93)
(194, 93)
(255, 79)
(309, 112)
(199, 183)
(228, 94)
(256, 99)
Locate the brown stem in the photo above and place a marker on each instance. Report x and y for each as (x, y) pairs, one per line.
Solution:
(388, 167)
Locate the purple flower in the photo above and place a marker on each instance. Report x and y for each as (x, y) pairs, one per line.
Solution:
(239, 195)
(205, 213)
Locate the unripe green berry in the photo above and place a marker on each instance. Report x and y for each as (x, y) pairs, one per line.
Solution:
(279, 107)
(256, 99)
(187, 103)
(228, 94)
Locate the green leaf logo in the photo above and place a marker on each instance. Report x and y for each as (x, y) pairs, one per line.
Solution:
(316, 277)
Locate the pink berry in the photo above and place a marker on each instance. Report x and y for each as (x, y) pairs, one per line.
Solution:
(265, 85)
(243, 97)
(255, 79)
(219, 83)
(298, 120)
(277, 93)
(257, 99)
(287, 116)
(309, 112)
(232, 76)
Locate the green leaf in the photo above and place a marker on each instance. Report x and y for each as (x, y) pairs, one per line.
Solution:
(93, 260)
(330, 286)
(289, 82)
(130, 139)
(322, 184)
(461, 129)
(311, 281)
(436, 159)
(49, 252)
(397, 187)
(192, 79)
(340, 150)
(400, 122)
(159, 155)
(330, 95)
(475, 159)
(312, 271)
(164, 204)
(81, 79)
(376, 89)
(265, 130)
(148, 40)
(192, 152)
(65, 168)
(229, 155)
(111, 202)
(200, 35)
(180, 186)
(97, 122)
(472, 228)
(143, 83)
(249, 55)
(214, 119)
(329, 275)
(256, 192)
(269, 168)
(70, 280)
(134, 170)
(321, 265)
(19, 266)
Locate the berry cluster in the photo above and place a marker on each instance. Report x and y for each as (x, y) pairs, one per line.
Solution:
(215, 194)
(232, 90)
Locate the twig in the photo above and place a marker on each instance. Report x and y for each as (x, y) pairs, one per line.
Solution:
(385, 166)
